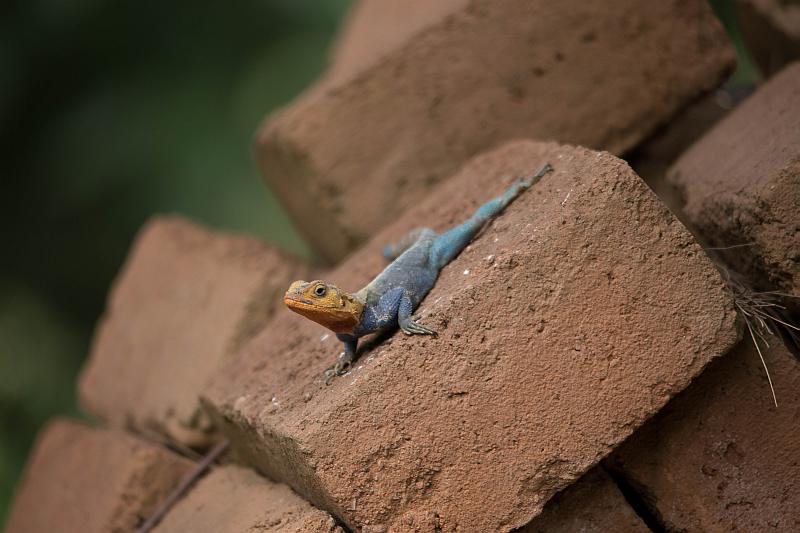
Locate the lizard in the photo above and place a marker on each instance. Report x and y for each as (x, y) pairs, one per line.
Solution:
(390, 299)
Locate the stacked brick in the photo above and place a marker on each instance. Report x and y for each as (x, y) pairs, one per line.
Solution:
(565, 329)
(186, 298)
(561, 330)
(361, 149)
(741, 185)
(232, 499)
(722, 456)
(80, 479)
(591, 504)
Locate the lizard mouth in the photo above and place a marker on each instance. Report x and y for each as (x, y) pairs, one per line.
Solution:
(297, 301)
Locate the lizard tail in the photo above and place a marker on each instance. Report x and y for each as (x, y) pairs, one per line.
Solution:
(450, 243)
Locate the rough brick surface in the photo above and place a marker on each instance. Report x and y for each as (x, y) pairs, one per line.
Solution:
(570, 320)
(232, 499)
(771, 29)
(184, 298)
(374, 28)
(348, 160)
(721, 457)
(741, 184)
(85, 480)
(593, 504)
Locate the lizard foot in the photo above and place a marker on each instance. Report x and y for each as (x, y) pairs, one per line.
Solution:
(410, 327)
(339, 369)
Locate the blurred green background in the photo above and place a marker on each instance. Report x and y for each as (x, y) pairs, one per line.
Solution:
(110, 112)
(113, 111)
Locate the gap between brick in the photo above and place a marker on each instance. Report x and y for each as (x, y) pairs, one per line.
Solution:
(638, 501)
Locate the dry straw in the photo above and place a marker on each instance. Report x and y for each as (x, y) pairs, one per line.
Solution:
(764, 315)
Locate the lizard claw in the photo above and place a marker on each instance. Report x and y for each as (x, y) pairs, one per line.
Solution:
(410, 327)
(339, 369)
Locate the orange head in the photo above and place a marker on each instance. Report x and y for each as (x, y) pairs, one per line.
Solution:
(325, 304)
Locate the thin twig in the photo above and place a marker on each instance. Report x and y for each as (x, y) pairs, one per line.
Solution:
(173, 444)
(187, 481)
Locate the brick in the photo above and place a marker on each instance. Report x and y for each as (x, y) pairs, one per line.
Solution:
(771, 31)
(651, 159)
(374, 28)
(593, 504)
(231, 499)
(184, 298)
(348, 160)
(741, 184)
(568, 322)
(721, 457)
(85, 480)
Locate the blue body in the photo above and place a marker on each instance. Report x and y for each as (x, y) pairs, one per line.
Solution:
(391, 298)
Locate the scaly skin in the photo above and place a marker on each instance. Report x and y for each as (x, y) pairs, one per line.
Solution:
(391, 298)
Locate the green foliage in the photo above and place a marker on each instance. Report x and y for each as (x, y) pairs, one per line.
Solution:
(35, 376)
(747, 72)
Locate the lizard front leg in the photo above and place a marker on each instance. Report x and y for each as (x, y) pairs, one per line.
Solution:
(394, 309)
(345, 358)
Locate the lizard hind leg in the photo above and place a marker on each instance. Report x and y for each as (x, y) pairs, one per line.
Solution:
(393, 251)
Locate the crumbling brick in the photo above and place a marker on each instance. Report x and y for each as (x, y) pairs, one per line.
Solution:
(184, 299)
(721, 456)
(231, 499)
(349, 159)
(593, 504)
(741, 184)
(85, 480)
(570, 320)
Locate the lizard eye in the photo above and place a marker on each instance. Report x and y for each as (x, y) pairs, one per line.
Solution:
(320, 290)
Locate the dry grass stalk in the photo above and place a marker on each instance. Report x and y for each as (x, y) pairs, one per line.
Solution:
(763, 313)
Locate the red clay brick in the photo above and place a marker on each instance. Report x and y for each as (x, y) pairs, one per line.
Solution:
(85, 480)
(569, 321)
(741, 184)
(185, 297)
(374, 28)
(347, 160)
(231, 499)
(721, 457)
(593, 504)
(652, 159)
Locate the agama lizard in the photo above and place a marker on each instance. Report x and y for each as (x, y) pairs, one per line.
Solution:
(391, 298)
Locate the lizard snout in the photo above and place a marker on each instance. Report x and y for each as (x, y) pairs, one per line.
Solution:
(295, 293)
